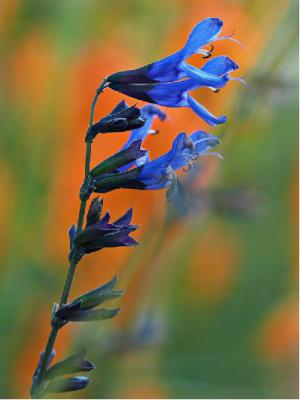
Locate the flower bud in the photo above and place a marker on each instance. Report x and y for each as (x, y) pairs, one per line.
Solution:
(122, 118)
(73, 364)
(60, 385)
(123, 157)
(75, 313)
(100, 295)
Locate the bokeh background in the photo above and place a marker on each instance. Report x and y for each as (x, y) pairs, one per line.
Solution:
(211, 304)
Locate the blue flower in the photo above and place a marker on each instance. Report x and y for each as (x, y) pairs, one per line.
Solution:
(174, 67)
(167, 82)
(160, 173)
(214, 74)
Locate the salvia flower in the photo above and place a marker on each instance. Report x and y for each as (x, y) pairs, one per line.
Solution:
(160, 173)
(102, 233)
(122, 118)
(171, 68)
(167, 82)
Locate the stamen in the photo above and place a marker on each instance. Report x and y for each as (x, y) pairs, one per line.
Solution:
(230, 37)
(218, 155)
(240, 80)
(206, 53)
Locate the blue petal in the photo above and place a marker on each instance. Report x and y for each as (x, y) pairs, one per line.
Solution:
(204, 113)
(220, 65)
(159, 173)
(204, 78)
(154, 176)
(166, 70)
(183, 151)
(174, 157)
(203, 141)
(148, 113)
(172, 94)
(204, 32)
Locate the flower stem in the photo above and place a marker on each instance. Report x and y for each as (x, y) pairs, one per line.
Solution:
(37, 388)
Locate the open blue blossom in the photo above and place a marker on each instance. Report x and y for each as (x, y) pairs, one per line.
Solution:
(174, 67)
(160, 173)
(214, 74)
(167, 82)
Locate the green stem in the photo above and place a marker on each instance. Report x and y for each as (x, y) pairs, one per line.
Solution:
(37, 389)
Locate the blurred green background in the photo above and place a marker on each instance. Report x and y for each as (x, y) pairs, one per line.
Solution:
(211, 304)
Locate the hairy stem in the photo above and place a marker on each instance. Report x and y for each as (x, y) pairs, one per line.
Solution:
(37, 389)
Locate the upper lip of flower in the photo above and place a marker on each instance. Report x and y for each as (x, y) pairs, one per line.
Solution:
(169, 68)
